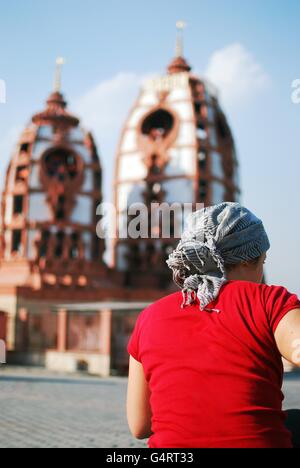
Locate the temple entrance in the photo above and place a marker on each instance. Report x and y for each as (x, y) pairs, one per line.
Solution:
(122, 326)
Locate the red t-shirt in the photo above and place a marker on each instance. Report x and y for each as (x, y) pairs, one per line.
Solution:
(215, 379)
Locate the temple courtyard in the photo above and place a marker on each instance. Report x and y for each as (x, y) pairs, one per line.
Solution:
(43, 410)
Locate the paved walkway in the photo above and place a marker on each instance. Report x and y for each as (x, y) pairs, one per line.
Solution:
(42, 410)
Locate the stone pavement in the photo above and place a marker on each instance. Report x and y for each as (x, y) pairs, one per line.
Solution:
(43, 410)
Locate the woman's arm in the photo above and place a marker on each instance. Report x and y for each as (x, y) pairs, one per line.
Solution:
(287, 337)
(138, 401)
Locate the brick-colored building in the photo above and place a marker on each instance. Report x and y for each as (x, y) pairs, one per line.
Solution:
(60, 304)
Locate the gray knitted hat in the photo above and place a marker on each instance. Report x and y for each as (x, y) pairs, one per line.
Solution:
(225, 234)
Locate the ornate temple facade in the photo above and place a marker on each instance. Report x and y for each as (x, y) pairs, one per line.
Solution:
(61, 305)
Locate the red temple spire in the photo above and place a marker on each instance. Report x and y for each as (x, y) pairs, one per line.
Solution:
(179, 63)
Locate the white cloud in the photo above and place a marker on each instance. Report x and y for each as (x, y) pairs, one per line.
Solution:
(237, 75)
(106, 105)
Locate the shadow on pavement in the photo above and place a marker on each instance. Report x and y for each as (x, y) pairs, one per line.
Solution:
(54, 380)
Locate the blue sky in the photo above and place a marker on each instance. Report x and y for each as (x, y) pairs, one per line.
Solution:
(111, 46)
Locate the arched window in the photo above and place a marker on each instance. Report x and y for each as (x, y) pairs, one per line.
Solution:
(158, 124)
(203, 189)
(59, 248)
(18, 204)
(74, 249)
(16, 247)
(44, 244)
(202, 161)
(97, 180)
(222, 128)
(24, 148)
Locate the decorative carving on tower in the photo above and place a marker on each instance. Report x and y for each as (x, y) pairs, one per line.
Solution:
(156, 134)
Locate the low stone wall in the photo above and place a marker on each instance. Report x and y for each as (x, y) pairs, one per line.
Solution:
(94, 364)
(22, 358)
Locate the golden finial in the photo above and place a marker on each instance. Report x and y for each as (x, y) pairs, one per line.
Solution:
(60, 61)
(180, 25)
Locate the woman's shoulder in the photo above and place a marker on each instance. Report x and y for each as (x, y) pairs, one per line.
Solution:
(171, 300)
(260, 292)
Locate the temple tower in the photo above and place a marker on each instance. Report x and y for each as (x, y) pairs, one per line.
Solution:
(49, 250)
(52, 189)
(176, 147)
